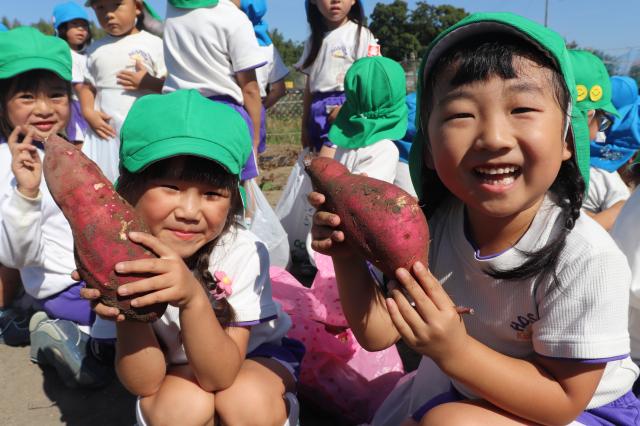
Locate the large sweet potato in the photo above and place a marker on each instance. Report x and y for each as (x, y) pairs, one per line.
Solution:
(100, 220)
(381, 221)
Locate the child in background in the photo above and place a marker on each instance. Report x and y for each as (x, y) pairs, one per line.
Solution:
(210, 46)
(624, 134)
(372, 117)
(121, 67)
(501, 169)
(71, 23)
(338, 38)
(607, 191)
(220, 346)
(35, 237)
(271, 76)
(403, 178)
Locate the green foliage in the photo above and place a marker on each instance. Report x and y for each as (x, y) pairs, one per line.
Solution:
(405, 34)
(289, 50)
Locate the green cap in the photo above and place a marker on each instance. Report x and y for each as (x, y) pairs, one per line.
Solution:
(183, 123)
(192, 4)
(545, 39)
(593, 84)
(24, 49)
(375, 109)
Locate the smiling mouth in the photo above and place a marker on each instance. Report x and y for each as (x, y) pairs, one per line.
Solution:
(184, 235)
(502, 176)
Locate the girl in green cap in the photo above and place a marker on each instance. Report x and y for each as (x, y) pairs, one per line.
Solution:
(220, 347)
(498, 162)
(35, 90)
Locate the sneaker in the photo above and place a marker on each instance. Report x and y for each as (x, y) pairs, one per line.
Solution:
(60, 344)
(14, 327)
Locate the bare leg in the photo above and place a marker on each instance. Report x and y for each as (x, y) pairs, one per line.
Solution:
(10, 282)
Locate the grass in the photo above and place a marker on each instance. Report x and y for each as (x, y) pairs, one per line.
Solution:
(283, 130)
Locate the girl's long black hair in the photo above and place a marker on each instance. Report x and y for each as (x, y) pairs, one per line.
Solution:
(319, 29)
(131, 186)
(475, 60)
(62, 33)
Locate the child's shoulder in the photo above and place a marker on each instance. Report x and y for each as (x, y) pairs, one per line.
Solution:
(237, 242)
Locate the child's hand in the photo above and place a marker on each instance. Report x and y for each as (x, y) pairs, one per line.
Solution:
(333, 114)
(25, 162)
(98, 122)
(93, 296)
(171, 282)
(326, 239)
(131, 80)
(433, 328)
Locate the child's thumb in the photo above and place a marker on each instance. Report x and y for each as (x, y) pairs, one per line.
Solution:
(105, 116)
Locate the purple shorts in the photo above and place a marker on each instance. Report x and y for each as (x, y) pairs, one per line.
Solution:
(76, 123)
(68, 305)
(624, 411)
(289, 354)
(263, 131)
(321, 105)
(250, 169)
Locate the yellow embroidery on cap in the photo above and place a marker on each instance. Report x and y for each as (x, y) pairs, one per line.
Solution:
(582, 92)
(595, 94)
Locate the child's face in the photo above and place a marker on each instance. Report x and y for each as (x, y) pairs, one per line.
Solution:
(117, 17)
(182, 214)
(498, 144)
(334, 11)
(77, 32)
(46, 109)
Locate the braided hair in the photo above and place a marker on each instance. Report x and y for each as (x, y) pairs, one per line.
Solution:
(475, 60)
(131, 186)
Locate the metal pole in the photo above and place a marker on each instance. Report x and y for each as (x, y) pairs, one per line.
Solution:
(546, 11)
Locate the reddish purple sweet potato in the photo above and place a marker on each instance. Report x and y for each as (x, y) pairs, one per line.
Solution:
(100, 220)
(381, 221)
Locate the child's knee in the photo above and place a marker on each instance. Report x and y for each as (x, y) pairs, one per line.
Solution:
(196, 409)
(446, 414)
(268, 408)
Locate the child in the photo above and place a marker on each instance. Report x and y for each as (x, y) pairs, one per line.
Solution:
(271, 76)
(372, 117)
(210, 46)
(607, 191)
(220, 347)
(121, 67)
(338, 38)
(71, 23)
(502, 180)
(35, 74)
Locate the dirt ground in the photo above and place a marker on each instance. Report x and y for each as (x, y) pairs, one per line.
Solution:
(34, 395)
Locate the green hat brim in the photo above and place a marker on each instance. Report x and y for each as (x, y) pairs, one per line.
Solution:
(21, 65)
(351, 130)
(177, 146)
(192, 4)
(482, 23)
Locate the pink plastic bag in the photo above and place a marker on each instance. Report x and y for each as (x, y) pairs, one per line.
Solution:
(337, 374)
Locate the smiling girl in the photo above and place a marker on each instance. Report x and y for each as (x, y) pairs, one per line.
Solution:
(220, 346)
(500, 163)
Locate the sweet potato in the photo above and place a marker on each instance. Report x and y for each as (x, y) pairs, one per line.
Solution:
(381, 221)
(100, 221)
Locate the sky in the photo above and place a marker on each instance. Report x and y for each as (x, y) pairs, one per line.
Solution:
(605, 25)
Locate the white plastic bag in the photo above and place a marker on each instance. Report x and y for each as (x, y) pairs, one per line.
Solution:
(294, 210)
(104, 152)
(265, 225)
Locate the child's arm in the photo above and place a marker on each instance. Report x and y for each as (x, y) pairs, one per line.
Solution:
(96, 119)
(306, 111)
(276, 91)
(214, 355)
(363, 304)
(607, 218)
(140, 79)
(543, 390)
(252, 101)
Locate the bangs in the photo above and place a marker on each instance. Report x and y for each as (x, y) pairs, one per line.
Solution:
(191, 169)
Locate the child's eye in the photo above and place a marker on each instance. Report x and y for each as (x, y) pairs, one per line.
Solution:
(26, 96)
(522, 110)
(58, 95)
(170, 187)
(212, 194)
(458, 115)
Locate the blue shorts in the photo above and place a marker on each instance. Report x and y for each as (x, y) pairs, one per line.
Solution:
(289, 354)
(624, 411)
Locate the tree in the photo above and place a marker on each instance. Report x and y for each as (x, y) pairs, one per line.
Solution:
(390, 24)
(289, 50)
(428, 21)
(44, 27)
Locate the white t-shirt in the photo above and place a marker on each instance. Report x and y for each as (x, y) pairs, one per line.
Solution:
(78, 68)
(274, 70)
(110, 55)
(35, 237)
(337, 53)
(244, 259)
(626, 234)
(582, 318)
(378, 160)
(205, 48)
(605, 190)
